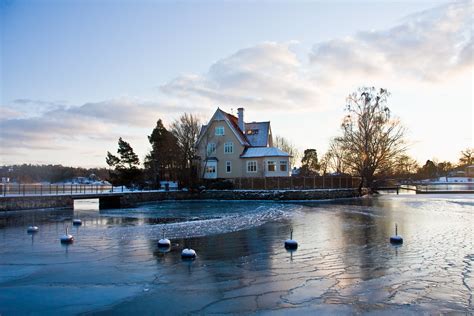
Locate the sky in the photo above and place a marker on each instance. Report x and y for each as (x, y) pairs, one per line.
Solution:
(77, 75)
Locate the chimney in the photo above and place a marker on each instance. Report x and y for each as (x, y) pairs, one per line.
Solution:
(241, 119)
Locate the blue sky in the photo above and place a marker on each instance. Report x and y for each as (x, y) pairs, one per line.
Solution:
(76, 75)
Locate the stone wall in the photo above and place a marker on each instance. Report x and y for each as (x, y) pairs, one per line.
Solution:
(130, 199)
(35, 202)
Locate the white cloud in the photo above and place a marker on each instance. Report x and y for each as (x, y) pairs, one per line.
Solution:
(424, 49)
(426, 46)
(268, 75)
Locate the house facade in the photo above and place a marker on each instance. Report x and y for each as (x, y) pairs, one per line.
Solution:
(228, 147)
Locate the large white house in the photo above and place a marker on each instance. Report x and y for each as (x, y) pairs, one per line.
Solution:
(228, 147)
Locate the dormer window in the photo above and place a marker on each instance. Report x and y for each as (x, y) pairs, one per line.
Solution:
(252, 131)
(220, 131)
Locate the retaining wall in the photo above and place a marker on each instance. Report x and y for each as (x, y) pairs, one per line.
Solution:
(35, 202)
(130, 199)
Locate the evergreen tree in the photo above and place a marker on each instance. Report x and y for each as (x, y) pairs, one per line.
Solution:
(163, 160)
(126, 166)
(309, 163)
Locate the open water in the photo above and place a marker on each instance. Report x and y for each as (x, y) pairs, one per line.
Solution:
(344, 263)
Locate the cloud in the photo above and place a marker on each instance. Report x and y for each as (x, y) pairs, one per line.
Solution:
(427, 46)
(267, 76)
(94, 121)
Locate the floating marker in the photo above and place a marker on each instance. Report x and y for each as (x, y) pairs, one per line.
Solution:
(67, 238)
(188, 254)
(396, 240)
(291, 244)
(32, 229)
(164, 242)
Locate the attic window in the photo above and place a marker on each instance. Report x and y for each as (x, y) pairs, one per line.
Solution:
(219, 131)
(252, 131)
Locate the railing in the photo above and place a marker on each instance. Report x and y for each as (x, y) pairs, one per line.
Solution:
(15, 189)
(296, 183)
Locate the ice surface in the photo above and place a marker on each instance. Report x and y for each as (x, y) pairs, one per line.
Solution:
(344, 262)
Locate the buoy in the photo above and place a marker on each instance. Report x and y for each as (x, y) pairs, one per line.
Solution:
(164, 242)
(291, 244)
(67, 238)
(32, 229)
(188, 253)
(76, 222)
(396, 240)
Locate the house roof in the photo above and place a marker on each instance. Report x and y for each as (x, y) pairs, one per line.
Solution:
(233, 124)
(255, 152)
(259, 139)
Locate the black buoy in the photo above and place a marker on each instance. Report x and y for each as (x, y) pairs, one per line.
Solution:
(188, 253)
(32, 229)
(291, 244)
(76, 222)
(396, 239)
(66, 238)
(164, 242)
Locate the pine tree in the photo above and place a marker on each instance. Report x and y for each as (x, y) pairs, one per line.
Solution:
(126, 166)
(309, 163)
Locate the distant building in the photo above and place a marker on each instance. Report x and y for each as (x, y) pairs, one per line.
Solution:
(228, 147)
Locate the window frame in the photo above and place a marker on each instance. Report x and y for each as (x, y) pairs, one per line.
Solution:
(219, 128)
(228, 145)
(214, 150)
(273, 164)
(284, 163)
(228, 166)
(252, 162)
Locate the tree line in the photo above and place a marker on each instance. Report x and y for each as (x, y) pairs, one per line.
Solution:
(29, 173)
(372, 145)
(170, 158)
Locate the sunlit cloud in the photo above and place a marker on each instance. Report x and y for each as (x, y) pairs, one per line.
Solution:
(426, 49)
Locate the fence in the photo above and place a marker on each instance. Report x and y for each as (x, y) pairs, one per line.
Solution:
(296, 183)
(7, 189)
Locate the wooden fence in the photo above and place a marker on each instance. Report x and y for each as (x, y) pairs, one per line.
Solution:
(296, 183)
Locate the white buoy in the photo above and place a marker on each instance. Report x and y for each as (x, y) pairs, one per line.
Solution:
(291, 244)
(67, 238)
(164, 242)
(188, 253)
(32, 229)
(396, 240)
(76, 222)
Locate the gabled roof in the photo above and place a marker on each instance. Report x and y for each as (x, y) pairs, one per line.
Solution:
(231, 120)
(255, 152)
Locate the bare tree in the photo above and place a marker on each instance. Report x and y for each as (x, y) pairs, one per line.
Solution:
(186, 131)
(371, 138)
(285, 145)
(333, 160)
(467, 156)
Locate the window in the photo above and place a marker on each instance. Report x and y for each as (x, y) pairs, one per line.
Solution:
(228, 148)
(211, 169)
(284, 166)
(252, 131)
(211, 148)
(251, 166)
(228, 166)
(271, 166)
(219, 130)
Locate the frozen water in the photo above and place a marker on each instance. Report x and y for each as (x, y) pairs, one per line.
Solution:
(344, 262)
